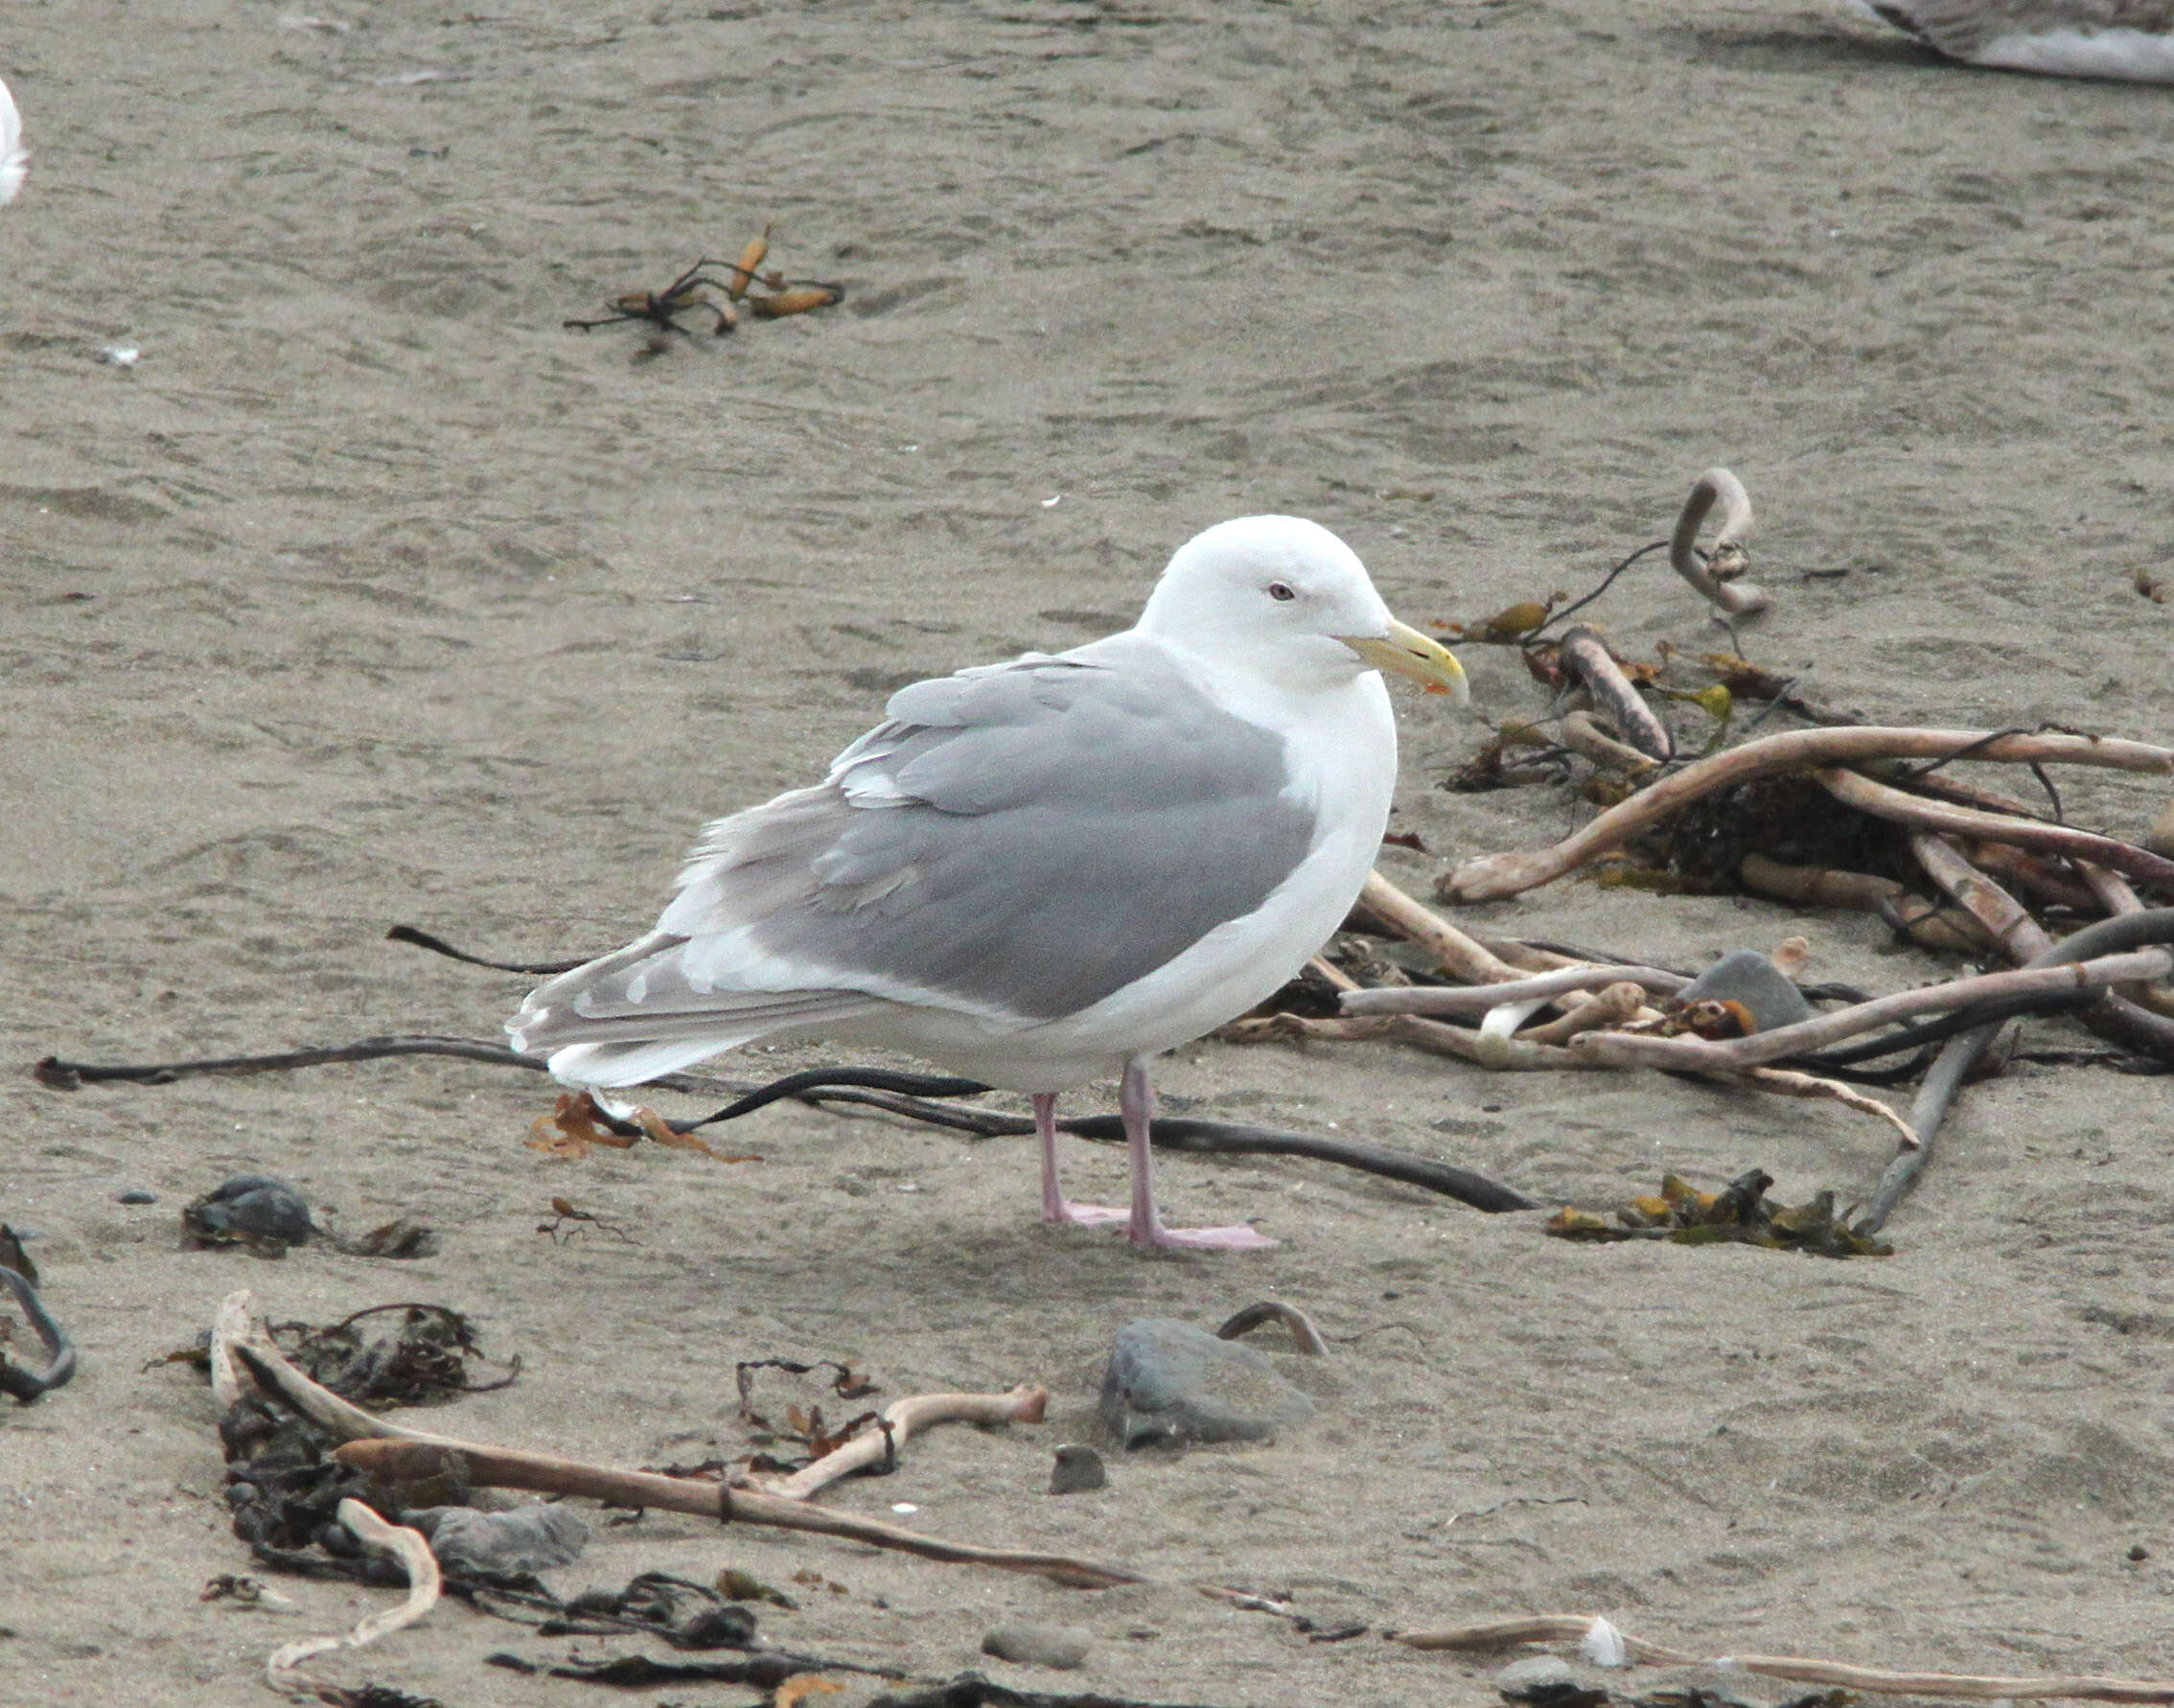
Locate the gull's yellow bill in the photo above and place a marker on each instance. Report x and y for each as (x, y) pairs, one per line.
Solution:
(1407, 653)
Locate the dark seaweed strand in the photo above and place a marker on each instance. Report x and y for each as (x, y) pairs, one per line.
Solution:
(869, 1088)
(437, 945)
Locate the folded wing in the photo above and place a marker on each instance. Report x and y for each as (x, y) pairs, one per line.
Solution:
(1014, 844)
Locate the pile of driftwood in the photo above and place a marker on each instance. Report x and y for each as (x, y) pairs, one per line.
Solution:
(1842, 813)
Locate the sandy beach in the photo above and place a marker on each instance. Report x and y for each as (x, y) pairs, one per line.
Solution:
(370, 593)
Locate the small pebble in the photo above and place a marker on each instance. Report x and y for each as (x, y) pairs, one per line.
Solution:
(2140, 1552)
(1062, 1648)
(135, 1195)
(1077, 1468)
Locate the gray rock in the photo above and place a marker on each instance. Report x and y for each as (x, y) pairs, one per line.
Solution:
(1062, 1648)
(1536, 1676)
(1747, 976)
(533, 1539)
(1167, 1381)
(1077, 1468)
(135, 1195)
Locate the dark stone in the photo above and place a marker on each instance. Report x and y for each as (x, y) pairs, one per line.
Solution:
(533, 1539)
(1077, 1468)
(1167, 1381)
(1746, 975)
(252, 1208)
(1062, 1648)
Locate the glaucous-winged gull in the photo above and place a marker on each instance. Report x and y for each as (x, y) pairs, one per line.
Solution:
(1046, 870)
(2128, 39)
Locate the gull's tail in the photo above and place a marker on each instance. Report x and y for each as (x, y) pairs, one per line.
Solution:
(634, 1015)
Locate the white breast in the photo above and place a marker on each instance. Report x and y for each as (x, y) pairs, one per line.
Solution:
(2131, 54)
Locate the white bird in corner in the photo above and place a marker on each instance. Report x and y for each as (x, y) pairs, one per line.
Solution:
(14, 158)
(1039, 872)
(2129, 39)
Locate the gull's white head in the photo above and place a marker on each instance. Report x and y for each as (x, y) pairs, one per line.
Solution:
(1286, 597)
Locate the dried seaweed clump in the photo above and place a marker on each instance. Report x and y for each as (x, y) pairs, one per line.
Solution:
(1741, 1214)
(422, 1360)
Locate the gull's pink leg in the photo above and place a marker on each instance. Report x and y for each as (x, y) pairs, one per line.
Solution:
(1136, 1100)
(1054, 1207)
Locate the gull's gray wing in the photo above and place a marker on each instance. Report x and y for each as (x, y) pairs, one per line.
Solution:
(1016, 842)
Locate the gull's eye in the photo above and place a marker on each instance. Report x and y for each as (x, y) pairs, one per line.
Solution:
(1282, 595)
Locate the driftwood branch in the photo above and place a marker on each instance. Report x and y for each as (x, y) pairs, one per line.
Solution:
(1585, 653)
(282, 1671)
(902, 1420)
(1998, 914)
(545, 1473)
(1817, 886)
(1477, 998)
(1973, 1687)
(1716, 574)
(1494, 876)
(1861, 791)
(1461, 954)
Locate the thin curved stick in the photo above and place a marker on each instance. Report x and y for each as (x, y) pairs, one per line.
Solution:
(1478, 999)
(1612, 1004)
(902, 1420)
(1305, 1336)
(1789, 1082)
(1854, 789)
(282, 1671)
(64, 1076)
(27, 1385)
(1715, 575)
(1494, 876)
(1571, 1627)
(1703, 1055)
